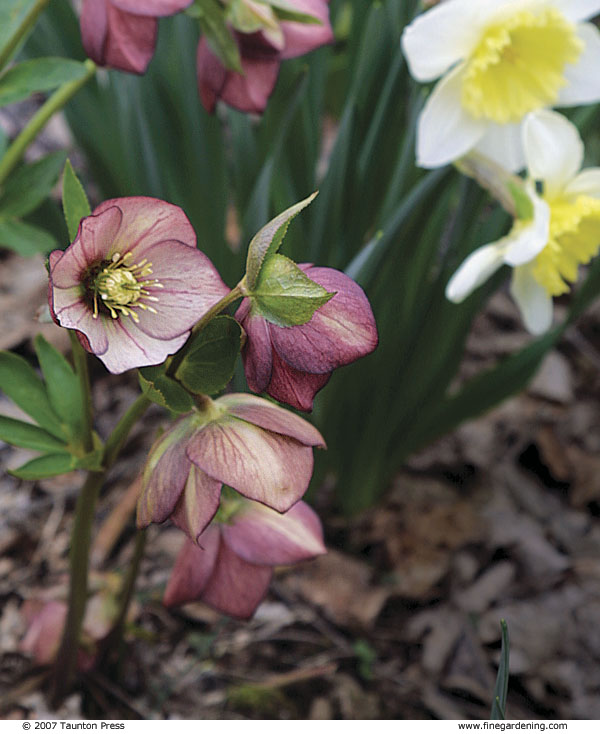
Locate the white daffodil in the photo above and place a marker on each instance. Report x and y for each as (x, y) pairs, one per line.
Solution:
(563, 233)
(499, 60)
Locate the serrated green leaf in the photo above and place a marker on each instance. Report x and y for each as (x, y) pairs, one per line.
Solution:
(30, 185)
(211, 16)
(74, 200)
(501, 687)
(285, 295)
(164, 390)
(21, 384)
(209, 365)
(42, 467)
(37, 75)
(28, 436)
(62, 386)
(268, 240)
(25, 239)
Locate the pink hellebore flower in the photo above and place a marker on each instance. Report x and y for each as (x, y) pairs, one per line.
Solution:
(261, 54)
(133, 283)
(231, 567)
(293, 363)
(122, 33)
(250, 444)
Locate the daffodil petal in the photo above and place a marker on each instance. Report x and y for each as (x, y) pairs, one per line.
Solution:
(527, 242)
(503, 144)
(586, 183)
(532, 299)
(577, 10)
(474, 271)
(553, 149)
(446, 131)
(583, 79)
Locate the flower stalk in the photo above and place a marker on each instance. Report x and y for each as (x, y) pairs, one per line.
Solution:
(21, 32)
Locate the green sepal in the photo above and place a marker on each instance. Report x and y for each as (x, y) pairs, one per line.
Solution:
(38, 75)
(523, 203)
(285, 295)
(19, 381)
(30, 185)
(29, 436)
(285, 11)
(25, 239)
(209, 364)
(48, 465)
(245, 19)
(268, 240)
(211, 16)
(74, 200)
(62, 387)
(164, 390)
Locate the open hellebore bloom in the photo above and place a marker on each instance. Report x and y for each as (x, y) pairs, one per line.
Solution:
(261, 53)
(245, 442)
(231, 566)
(293, 363)
(564, 232)
(133, 283)
(499, 60)
(122, 33)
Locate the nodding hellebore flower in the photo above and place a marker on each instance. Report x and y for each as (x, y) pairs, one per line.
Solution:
(122, 33)
(293, 363)
(231, 566)
(499, 60)
(245, 442)
(563, 232)
(133, 282)
(261, 53)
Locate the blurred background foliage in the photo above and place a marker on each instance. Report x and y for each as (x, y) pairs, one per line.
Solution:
(341, 120)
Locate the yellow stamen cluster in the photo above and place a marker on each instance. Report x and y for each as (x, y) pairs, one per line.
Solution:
(123, 287)
(518, 66)
(574, 240)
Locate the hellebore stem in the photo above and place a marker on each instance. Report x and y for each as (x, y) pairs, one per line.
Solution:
(21, 32)
(66, 660)
(81, 369)
(52, 105)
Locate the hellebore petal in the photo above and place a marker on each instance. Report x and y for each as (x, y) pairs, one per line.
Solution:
(294, 387)
(94, 28)
(193, 568)
(156, 8)
(302, 38)
(257, 351)
(45, 630)
(130, 40)
(197, 504)
(260, 535)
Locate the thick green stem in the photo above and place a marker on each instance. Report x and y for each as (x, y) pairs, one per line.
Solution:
(81, 369)
(52, 105)
(21, 32)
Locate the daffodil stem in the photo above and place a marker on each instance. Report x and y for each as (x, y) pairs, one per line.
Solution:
(52, 105)
(21, 32)
(66, 660)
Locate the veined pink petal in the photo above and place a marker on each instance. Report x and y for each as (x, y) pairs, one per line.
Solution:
(72, 313)
(257, 350)
(261, 535)
(211, 75)
(193, 568)
(197, 504)
(165, 475)
(301, 38)
(261, 465)
(54, 257)
(130, 40)
(94, 27)
(339, 332)
(294, 387)
(156, 8)
(263, 413)
(94, 243)
(236, 587)
(45, 630)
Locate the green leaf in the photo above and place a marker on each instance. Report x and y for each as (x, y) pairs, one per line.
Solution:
(74, 200)
(25, 239)
(523, 203)
(62, 386)
(285, 295)
(164, 390)
(49, 465)
(30, 185)
(37, 75)
(285, 11)
(28, 436)
(91, 461)
(12, 15)
(3, 142)
(210, 363)
(249, 19)
(268, 240)
(21, 384)
(501, 687)
(211, 16)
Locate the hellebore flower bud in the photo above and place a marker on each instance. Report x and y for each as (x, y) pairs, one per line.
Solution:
(122, 33)
(231, 567)
(293, 363)
(250, 444)
(133, 283)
